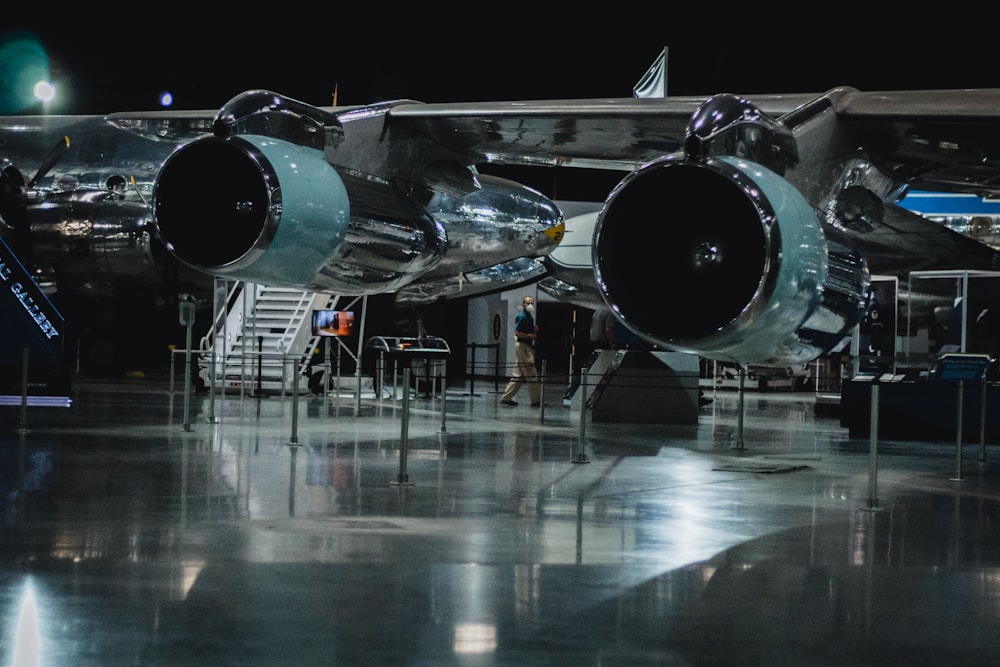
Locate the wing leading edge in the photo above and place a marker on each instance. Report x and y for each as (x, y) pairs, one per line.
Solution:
(838, 162)
(767, 207)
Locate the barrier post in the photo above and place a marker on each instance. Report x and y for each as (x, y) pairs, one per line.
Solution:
(581, 457)
(472, 374)
(541, 394)
(295, 408)
(740, 408)
(444, 397)
(958, 433)
(379, 387)
(982, 420)
(23, 426)
(403, 478)
(172, 357)
(873, 451)
(186, 316)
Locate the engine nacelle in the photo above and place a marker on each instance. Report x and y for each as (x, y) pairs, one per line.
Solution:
(723, 258)
(266, 210)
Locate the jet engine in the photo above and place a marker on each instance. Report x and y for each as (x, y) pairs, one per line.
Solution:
(723, 258)
(262, 209)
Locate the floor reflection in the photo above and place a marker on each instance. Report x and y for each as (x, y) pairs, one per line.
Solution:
(127, 540)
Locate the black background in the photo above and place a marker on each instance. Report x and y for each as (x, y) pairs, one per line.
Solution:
(122, 57)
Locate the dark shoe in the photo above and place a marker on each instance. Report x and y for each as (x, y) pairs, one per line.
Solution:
(508, 402)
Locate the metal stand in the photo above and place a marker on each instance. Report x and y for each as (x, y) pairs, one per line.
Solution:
(294, 440)
(873, 454)
(982, 420)
(444, 399)
(581, 457)
(23, 425)
(186, 316)
(403, 478)
(741, 393)
(958, 434)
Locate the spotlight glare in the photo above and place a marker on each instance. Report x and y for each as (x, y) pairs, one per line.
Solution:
(44, 91)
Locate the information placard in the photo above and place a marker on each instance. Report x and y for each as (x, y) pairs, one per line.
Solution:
(956, 367)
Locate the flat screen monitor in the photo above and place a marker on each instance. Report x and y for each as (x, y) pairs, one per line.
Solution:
(332, 322)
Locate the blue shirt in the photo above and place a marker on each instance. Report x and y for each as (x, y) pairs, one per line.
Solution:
(524, 323)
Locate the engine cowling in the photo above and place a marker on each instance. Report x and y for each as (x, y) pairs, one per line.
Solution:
(723, 258)
(266, 210)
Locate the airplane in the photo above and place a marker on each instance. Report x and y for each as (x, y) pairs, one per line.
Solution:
(75, 206)
(744, 229)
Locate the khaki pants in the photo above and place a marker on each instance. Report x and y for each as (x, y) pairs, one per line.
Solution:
(524, 372)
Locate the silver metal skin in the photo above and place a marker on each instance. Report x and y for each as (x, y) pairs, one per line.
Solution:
(813, 179)
(483, 228)
(327, 202)
(92, 240)
(84, 226)
(757, 264)
(758, 281)
(85, 236)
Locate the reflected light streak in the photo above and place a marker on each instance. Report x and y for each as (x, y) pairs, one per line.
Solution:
(27, 641)
(475, 638)
(189, 575)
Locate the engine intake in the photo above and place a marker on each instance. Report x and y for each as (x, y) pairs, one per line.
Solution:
(266, 210)
(725, 259)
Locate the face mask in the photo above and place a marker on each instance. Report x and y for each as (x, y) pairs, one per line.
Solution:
(530, 308)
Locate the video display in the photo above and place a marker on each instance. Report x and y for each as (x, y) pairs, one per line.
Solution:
(332, 322)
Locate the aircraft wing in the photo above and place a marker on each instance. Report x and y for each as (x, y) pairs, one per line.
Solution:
(942, 140)
(608, 133)
(851, 156)
(758, 219)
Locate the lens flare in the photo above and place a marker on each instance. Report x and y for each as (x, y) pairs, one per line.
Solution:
(23, 63)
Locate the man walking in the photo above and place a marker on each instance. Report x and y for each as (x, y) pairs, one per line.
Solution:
(525, 333)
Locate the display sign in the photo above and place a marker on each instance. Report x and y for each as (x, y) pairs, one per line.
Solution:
(31, 299)
(960, 367)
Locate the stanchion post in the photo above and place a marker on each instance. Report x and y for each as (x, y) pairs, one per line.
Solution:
(295, 407)
(982, 420)
(444, 398)
(23, 425)
(173, 356)
(284, 370)
(394, 377)
(380, 375)
(541, 393)
(404, 477)
(958, 433)
(212, 378)
(873, 450)
(186, 314)
(740, 408)
(581, 456)
(472, 374)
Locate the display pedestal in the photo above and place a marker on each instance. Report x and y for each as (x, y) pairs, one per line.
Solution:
(642, 387)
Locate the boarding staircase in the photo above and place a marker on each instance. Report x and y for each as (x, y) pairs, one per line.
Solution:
(260, 337)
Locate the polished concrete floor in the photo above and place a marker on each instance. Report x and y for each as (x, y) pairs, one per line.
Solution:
(141, 529)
